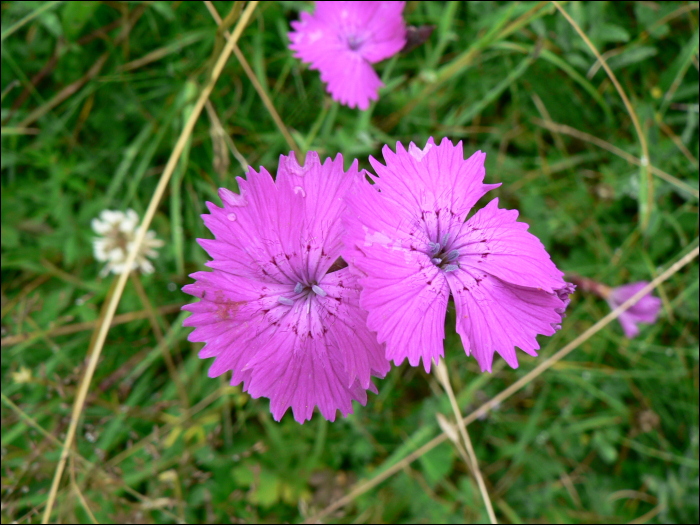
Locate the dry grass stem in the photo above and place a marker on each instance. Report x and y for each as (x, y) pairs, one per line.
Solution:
(21, 295)
(258, 87)
(116, 460)
(444, 378)
(645, 34)
(568, 130)
(87, 325)
(219, 129)
(77, 491)
(94, 70)
(648, 516)
(677, 141)
(74, 454)
(558, 141)
(363, 487)
(645, 160)
(140, 236)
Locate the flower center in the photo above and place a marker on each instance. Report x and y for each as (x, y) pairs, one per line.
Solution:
(354, 43)
(443, 258)
(304, 290)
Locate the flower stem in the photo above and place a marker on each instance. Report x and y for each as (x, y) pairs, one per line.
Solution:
(444, 378)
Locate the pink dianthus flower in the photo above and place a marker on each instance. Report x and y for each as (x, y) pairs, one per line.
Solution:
(408, 240)
(343, 39)
(645, 310)
(272, 311)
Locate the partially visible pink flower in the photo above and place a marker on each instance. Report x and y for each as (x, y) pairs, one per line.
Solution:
(645, 311)
(408, 240)
(343, 39)
(273, 311)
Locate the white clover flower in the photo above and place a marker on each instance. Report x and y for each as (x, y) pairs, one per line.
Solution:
(118, 230)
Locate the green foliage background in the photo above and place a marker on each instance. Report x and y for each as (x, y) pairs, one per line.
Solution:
(89, 119)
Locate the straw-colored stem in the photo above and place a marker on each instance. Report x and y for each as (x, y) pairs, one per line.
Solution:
(74, 454)
(444, 378)
(258, 87)
(502, 396)
(140, 236)
(633, 115)
(86, 325)
(78, 493)
(582, 135)
(219, 130)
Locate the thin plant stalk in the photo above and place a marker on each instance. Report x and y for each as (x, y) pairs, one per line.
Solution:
(31, 16)
(110, 477)
(587, 137)
(140, 236)
(256, 84)
(502, 396)
(646, 212)
(444, 378)
(85, 325)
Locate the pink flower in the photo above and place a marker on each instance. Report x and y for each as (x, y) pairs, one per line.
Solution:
(408, 240)
(645, 311)
(273, 312)
(342, 39)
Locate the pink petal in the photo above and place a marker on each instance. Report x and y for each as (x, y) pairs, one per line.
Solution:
(342, 39)
(351, 80)
(362, 355)
(406, 297)
(646, 310)
(493, 316)
(434, 179)
(310, 209)
(492, 241)
(306, 375)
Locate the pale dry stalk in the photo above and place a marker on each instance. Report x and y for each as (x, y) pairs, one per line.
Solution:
(633, 115)
(85, 325)
(258, 87)
(220, 131)
(502, 396)
(444, 378)
(158, 332)
(140, 236)
(75, 454)
(582, 135)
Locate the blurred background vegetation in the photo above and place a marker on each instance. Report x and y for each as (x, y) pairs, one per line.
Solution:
(94, 96)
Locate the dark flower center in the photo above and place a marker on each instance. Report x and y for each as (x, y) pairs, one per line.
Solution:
(442, 257)
(354, 43)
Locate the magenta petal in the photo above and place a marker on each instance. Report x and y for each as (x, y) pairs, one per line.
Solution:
(492, 241)
(269, 312)
(646, 310)
(343, 39)
(406, 297)
(407, 240)
(494, 316)
(308, 374)
(352, 82)
(362, 355)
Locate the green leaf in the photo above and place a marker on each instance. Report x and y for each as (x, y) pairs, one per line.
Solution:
(632, 56)
(51, 22)
(243, 476)
(437, 463)
(267, 492)
(605, 448)
(75, 15)
(612, 33)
